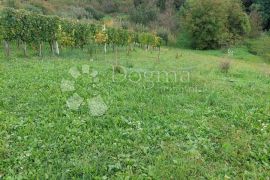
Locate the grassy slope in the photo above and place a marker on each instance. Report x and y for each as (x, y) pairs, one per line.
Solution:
(213, 125)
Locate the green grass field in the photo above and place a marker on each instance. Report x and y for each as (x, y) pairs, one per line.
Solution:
(176, 118)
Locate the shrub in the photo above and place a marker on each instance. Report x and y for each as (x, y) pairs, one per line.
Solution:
(101, 37)
(143, 15)
(93, 13)
(79, 13)
(247, 4)
(164, 35)
(140, 28)
(75, 13)
(212, 24)
(110, 6)
(12, 3)
(34, 9)
(124, 24)
(260, 46)
(225, 66)
(137, 3)
(161, 4)
(178, 4)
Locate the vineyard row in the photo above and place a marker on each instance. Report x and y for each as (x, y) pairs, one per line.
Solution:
(28, 28)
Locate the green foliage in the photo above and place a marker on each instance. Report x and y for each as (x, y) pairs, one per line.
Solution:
(138, 3)
(20, 25)
(82, 34)
(28, 27)
(256, 23)
(8, 24)
(1, 31)
(11, 3)
(264, 6)
(205, 21)
(178, 4)
(247, 4)
(164, 35)
(238, 21)
(94, 13)
(33, 8)
(214, 23)
(76, 13)
(260, 46)
(110, 6)
(225, 66)
(143, 14)
(161, 4)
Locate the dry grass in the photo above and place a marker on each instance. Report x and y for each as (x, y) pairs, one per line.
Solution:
(225, 66)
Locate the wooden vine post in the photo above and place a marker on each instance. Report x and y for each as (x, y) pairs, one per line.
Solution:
(6, 48)
(105, 45)
(55, 48)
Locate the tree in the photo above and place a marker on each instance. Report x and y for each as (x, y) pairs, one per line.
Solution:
(256, 22)
(238, 21)
(212, 24)
(264, 8)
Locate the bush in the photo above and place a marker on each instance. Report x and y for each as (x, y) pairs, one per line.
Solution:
(124, 24)
(143, 15)
(12, 4)
(212, 24)
(178, 4)
(33, 9)
(164, 35)
(161, 4)
(110, 6)
(75, 13)
(137, 3)
(225, 66)
(93, 13)
(260, 47)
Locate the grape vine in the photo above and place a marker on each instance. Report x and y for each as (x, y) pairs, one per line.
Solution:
(28, 28)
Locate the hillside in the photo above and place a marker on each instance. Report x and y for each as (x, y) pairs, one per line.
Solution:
(204, 124)
(140, 98)
(155, 15)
